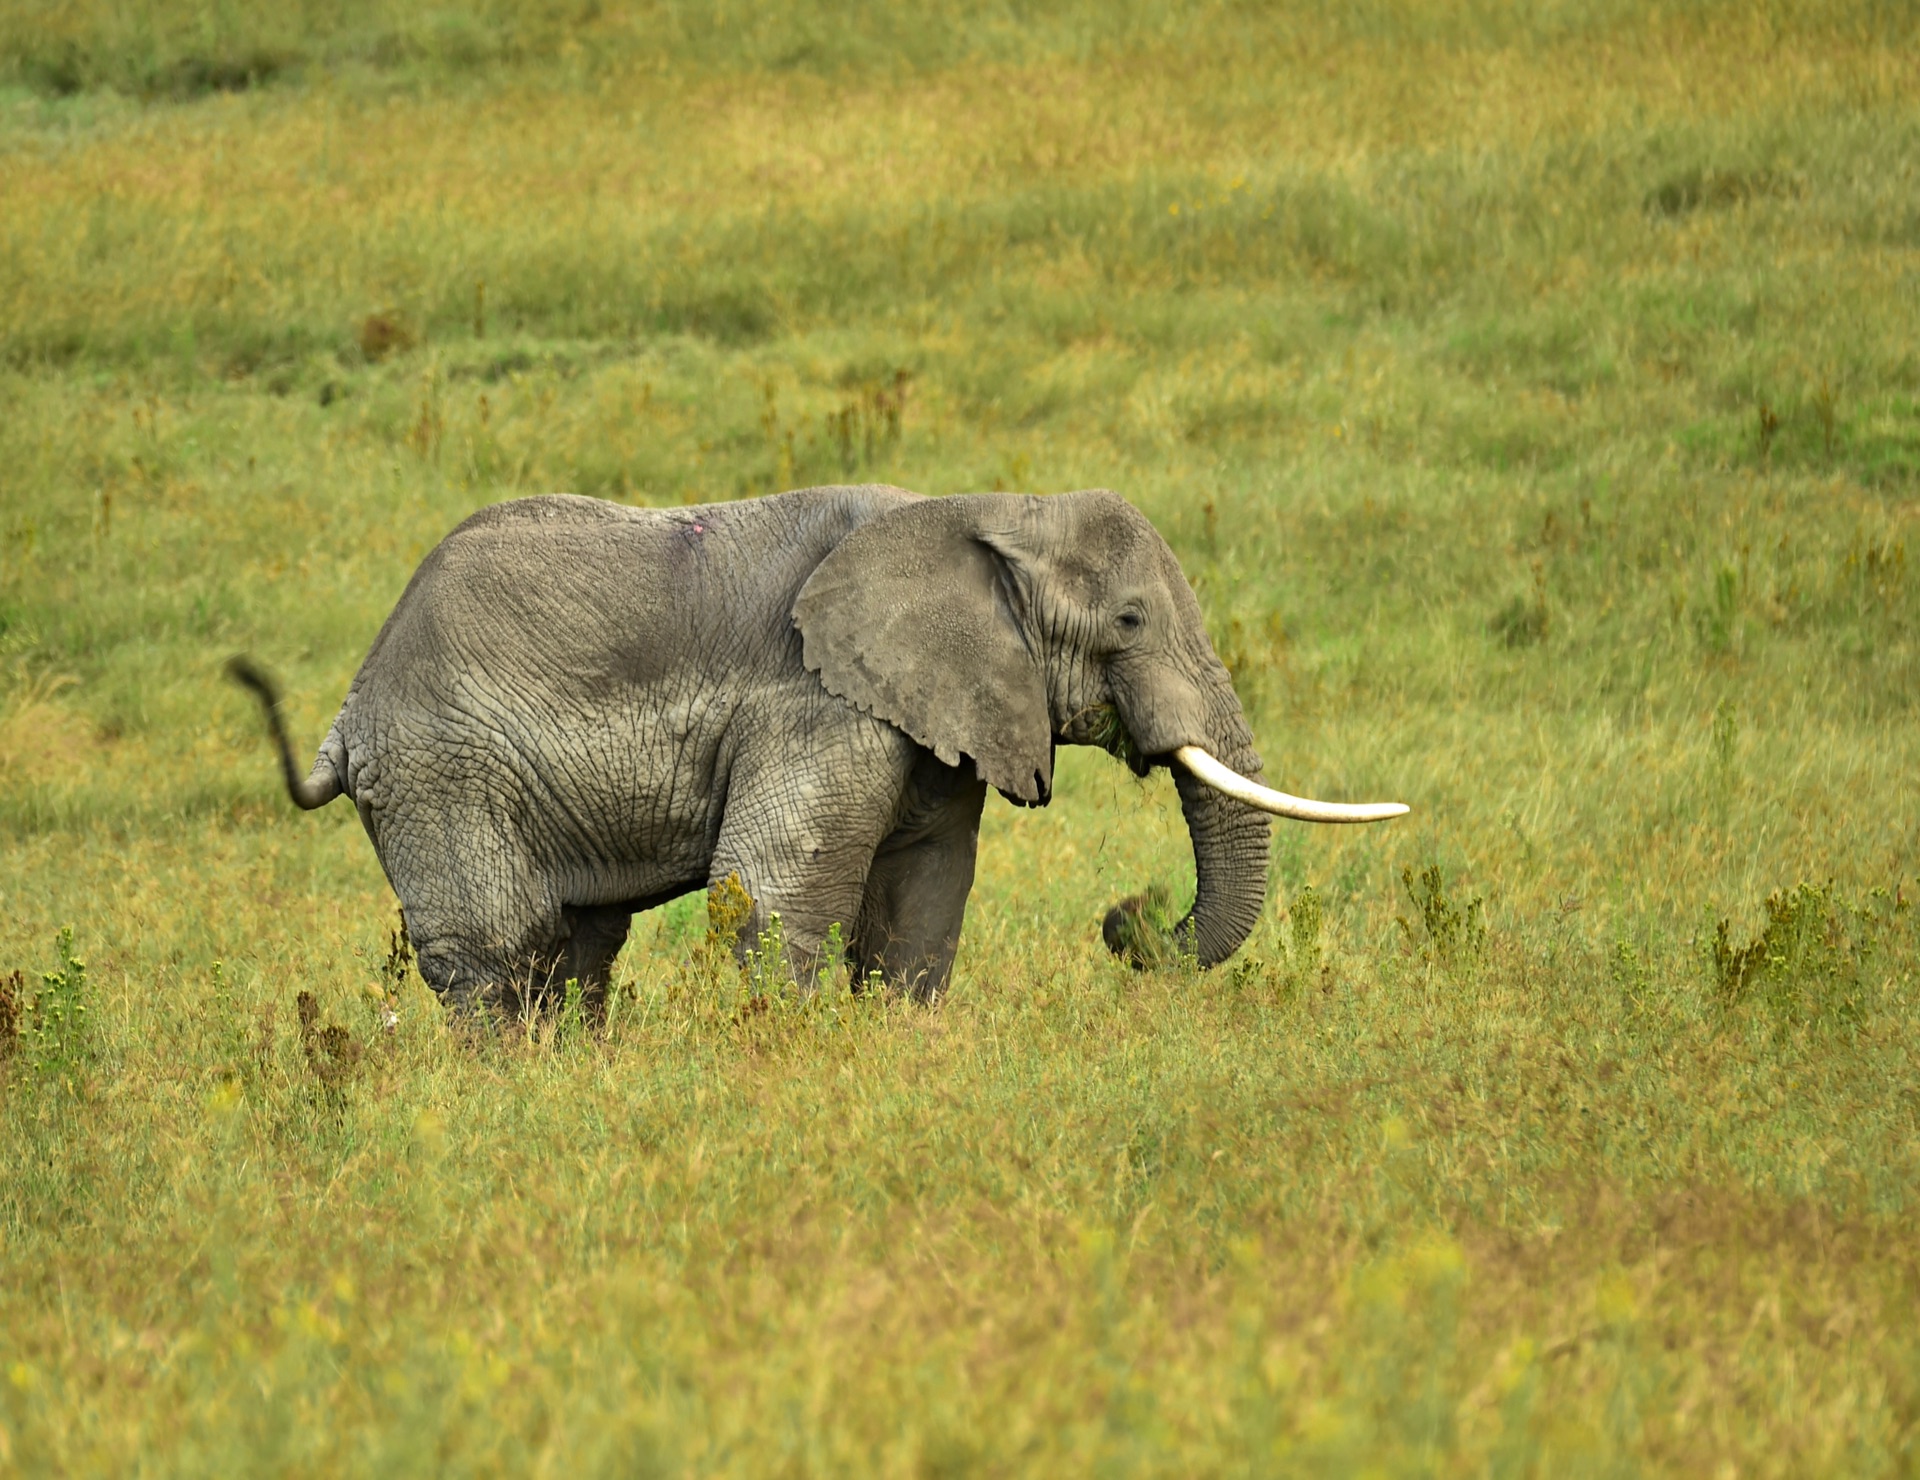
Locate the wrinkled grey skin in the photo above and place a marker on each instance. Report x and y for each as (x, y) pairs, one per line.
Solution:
(579, 710)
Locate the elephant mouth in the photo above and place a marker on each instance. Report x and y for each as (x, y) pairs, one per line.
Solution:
(1102, 727)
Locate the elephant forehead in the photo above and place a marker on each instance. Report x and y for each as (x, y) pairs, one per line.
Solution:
(1105, 531)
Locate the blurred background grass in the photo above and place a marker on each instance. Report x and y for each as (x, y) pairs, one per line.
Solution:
(1529, 392)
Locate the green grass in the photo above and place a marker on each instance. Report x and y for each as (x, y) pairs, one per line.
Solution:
(1531, 397)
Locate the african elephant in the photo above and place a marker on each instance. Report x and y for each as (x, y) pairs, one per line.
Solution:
(579, 709)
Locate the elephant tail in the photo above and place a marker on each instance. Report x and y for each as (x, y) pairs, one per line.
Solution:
(323, 783)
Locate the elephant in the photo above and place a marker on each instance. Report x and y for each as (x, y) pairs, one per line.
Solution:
(580, 709)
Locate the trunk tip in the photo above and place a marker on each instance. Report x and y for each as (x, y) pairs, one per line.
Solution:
(1144, 931)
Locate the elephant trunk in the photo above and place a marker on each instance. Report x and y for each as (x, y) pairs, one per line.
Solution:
(1230, 841)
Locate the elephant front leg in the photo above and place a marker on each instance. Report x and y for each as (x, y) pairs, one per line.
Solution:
(916, 896)
(802, 854)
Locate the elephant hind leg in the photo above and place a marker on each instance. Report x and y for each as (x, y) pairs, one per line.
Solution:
(489, 948)
(490, 930)
(481, 916)
(595, 934)
(499, 973)
(524, 968)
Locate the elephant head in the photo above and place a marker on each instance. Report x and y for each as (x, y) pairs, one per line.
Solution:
(995, 626)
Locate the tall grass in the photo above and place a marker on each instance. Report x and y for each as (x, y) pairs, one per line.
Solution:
(1531, 398)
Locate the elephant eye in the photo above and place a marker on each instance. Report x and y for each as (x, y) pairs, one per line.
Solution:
(1130, 621)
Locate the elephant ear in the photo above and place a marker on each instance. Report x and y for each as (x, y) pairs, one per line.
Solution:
(917, 618)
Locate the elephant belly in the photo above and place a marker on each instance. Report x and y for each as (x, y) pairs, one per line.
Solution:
(605, 808)
(632, 808)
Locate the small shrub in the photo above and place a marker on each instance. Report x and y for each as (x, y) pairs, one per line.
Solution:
(332, 1053)
(265, 1040)
(1300, 959)
(1254, 650)
(1632, 977)
(230, 1035)
(570, 1026)
(832, 975)
(1250, 973)
(768, 974)
(869, 423)
(1694, 190)
(1808, 964)
(395, 972)
(1719, 621)
(1726, 733)
(729, 907)
(59, 1032)
(384, 334)
(708, 985)
(1449, 933)
(1876, 568)
(1303, 943)
(1827, 413)
(766, 971)
(1526, 619)
(60, 71)
(13, 996)
(196, 76)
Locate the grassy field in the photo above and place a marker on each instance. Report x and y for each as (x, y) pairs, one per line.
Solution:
(1531, 394)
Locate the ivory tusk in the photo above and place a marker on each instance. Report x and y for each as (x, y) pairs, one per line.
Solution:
(1229, 782)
